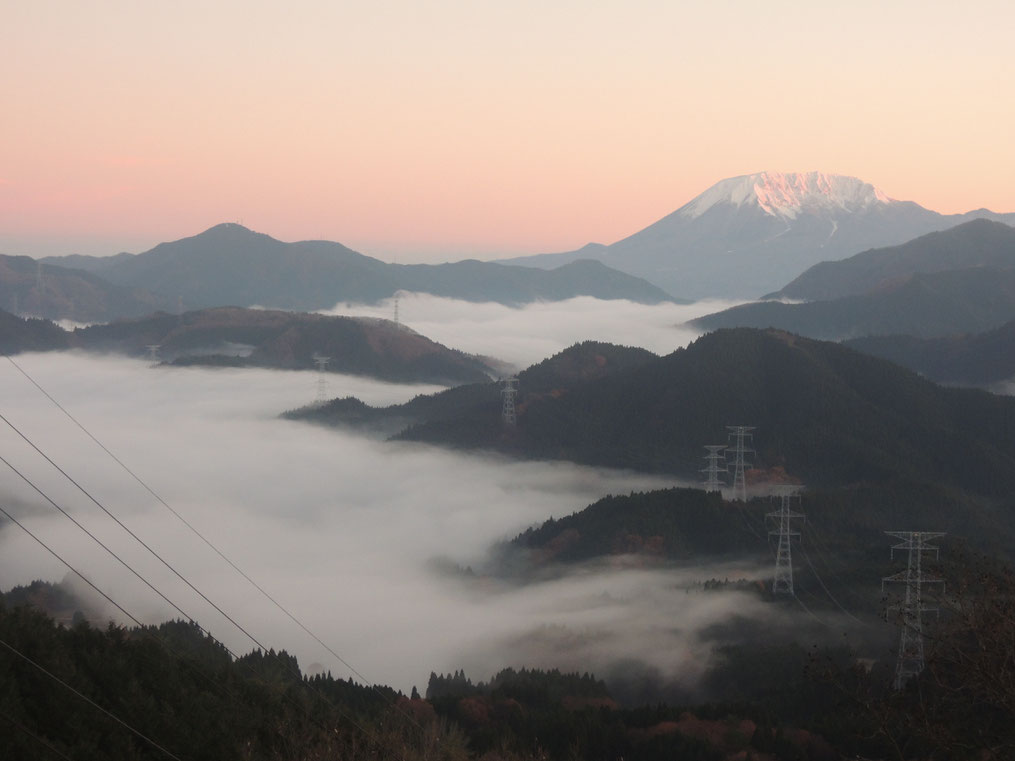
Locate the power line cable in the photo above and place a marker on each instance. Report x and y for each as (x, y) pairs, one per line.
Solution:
(88, 700)
(187, 523)
(152, 632)
(34, 736)
(122, 525)
(373, 687)
(827, 592)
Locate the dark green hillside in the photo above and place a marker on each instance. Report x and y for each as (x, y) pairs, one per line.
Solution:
(842, 540)
(979, 359)
(825, 414)
(681, 525)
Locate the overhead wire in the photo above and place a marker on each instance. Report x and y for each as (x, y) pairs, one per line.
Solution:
(88, 700)
(123, 526)
(151, 491)
(41, 740)
(236, 658)
(187, 523)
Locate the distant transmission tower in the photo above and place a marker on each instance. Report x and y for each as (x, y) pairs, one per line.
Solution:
(322, 377)
(712, 467)
(508, 394)
(740, 434)
(910, 662)
(396, 309)
(38, 276)
(153, 353)
(782, 580)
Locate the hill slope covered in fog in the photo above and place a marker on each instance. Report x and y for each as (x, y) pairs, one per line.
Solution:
(824, 414)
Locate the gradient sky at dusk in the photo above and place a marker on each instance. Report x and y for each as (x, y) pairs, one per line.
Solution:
(439, 130)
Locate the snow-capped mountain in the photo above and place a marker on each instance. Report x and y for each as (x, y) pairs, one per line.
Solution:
(789, 195)
(750, 235)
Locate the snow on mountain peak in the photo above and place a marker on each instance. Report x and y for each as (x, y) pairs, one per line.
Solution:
(786, 195)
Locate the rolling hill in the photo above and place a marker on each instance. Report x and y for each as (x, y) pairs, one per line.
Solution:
(237, 337)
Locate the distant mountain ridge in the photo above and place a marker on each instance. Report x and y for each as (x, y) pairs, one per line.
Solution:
(979, 243)
(749, 235)
(231, 265)
(44, 289)
(960, 280)
(979, 359)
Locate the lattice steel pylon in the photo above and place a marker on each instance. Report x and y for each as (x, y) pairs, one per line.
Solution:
(508, 394)
(739, 434)
(322, 377)
(712, 468)
(153, 353)
(782, 579)
(910, 661)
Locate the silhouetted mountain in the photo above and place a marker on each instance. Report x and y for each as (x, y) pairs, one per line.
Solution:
(229, 264)
(253, 337)
(825, 414)
(925, 305)
(980, 359)
(980, 243)
(54, 292)
(749, 235)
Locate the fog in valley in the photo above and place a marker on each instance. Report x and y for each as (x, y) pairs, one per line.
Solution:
(359, 538)
(526, 335)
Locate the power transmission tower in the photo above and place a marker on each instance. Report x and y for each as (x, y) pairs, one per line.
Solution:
(712, 468)
(508, 394)
(322, 378)
(910, 662)
(740, 434)
(153, 353)
(396, 309)
(782, 579)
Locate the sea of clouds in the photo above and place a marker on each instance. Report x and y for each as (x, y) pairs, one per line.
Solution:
(340, 528)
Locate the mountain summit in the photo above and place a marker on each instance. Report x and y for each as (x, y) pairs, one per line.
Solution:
(749, 235)
(788, 195)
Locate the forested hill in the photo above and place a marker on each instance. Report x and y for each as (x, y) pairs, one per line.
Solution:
(482, 401)
(825, 415)
(264, 338)
(235, 337)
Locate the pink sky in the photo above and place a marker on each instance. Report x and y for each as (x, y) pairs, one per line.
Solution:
(451, 129)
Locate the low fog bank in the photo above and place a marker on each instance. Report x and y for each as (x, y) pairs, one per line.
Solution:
(525, 335)
(341, 529)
